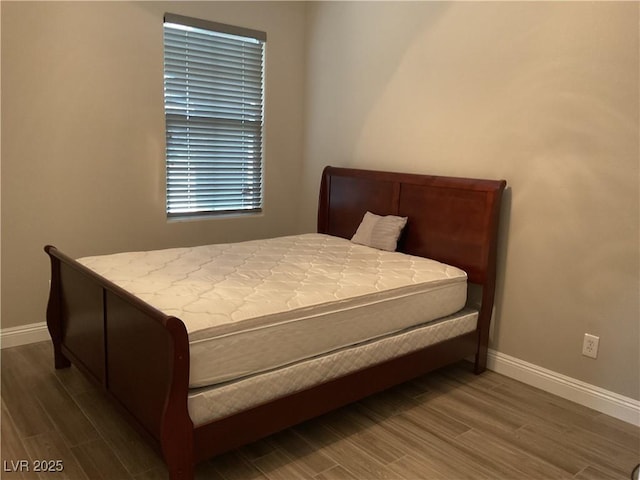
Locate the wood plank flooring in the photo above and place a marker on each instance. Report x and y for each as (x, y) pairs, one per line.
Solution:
(450, 424)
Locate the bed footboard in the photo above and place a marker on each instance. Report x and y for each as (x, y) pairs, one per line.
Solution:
(139, 355)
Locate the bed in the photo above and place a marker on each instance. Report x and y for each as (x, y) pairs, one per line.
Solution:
(197, 385)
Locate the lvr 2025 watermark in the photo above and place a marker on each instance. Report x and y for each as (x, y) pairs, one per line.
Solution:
(41, 466)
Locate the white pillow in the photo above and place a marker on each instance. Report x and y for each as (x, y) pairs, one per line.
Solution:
(379, 232)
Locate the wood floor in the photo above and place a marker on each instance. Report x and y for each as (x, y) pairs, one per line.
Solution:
(447, 425)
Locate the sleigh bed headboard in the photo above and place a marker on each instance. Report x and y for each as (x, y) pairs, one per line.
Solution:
(452, 220)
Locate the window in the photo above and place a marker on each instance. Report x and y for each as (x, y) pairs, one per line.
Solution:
(213, 102)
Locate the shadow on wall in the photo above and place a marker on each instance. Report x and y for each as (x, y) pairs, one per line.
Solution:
(353, 67)
(501, 266)
(350, 69)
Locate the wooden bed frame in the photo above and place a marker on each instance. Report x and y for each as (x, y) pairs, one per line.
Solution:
(140, 356)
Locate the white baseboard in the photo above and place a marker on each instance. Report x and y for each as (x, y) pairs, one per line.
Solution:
(24, 334)
(604, 401)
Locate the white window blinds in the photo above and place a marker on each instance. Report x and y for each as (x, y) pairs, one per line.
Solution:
(213, 98)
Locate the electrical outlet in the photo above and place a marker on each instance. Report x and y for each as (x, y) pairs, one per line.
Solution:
(590, 345)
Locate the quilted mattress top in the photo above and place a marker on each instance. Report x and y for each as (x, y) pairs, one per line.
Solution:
(218, 289)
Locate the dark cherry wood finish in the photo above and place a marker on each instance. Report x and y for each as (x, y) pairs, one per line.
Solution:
(141, 356)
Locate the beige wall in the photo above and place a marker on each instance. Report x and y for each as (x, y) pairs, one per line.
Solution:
(83, 131)
(543, 94)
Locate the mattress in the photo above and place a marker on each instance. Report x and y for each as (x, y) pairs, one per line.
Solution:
(250, 307)
(213, 403)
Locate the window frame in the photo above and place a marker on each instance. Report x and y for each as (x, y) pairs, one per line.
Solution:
(214, 154)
